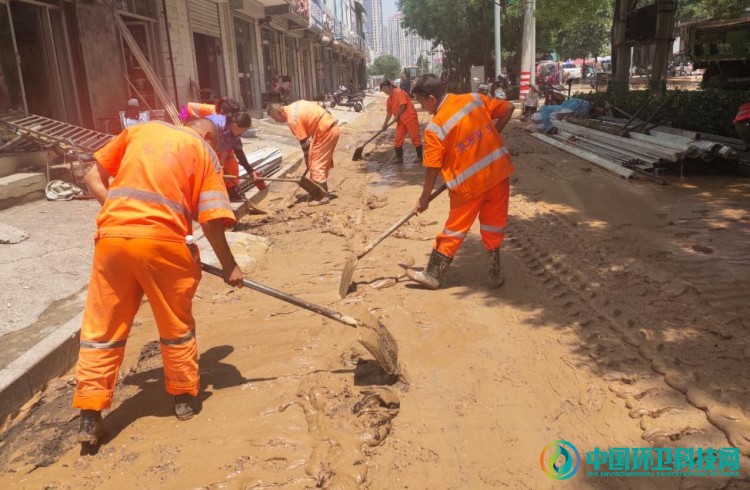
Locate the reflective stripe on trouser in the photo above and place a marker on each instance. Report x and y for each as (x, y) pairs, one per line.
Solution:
(123, 270)
(411, 127)
(231, 167)
(321, 154)
(492, 208)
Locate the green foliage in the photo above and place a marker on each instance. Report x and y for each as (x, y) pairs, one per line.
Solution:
(574, 29)
(387, 66)
(688, 10)
(708, 111)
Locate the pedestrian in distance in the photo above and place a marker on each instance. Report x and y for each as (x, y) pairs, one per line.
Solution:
(463, 142)
(317, 132)
(152, 180)
(400, 107)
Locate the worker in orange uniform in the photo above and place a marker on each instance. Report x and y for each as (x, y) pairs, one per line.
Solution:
(317, 132)
(400, 106)
(163, 177)
(464, 143)
(196, 110)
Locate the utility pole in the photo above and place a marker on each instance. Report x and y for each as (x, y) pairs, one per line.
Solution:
(527, 47)
(533, 42)
(498, 49)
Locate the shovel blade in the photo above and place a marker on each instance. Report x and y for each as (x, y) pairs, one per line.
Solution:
(346, 276)
(376, 338)
(358, 153)
(316, 192)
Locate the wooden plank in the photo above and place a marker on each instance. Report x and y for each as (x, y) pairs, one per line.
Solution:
(152, 78)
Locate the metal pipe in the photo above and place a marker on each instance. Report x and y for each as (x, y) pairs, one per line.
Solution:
(171, 56)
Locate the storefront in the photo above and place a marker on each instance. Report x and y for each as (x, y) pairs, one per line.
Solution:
(247, 62)
(206, 29)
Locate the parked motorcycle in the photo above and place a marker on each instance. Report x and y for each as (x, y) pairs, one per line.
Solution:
(344, 98)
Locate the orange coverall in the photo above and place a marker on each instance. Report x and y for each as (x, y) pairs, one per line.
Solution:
(308, 120)
(408, 122)
(164, 176)
(463, 142)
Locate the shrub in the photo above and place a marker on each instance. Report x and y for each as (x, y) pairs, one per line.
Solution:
(707, 111)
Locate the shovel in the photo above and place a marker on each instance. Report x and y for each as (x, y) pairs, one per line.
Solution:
(358, 151)
(316, 192)
(346, 276)
(372, 334)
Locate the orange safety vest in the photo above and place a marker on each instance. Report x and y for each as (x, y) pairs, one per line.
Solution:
(743, 114)
(398, 98)
(164, 177)
(463, 142)
(197, 110)
(306, 119)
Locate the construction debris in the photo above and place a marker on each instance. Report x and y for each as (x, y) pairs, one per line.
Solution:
(613, 144)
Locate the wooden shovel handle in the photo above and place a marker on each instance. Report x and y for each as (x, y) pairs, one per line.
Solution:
(397, 225)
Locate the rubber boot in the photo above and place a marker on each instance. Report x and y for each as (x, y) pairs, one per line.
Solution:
(182, 408)
(436, 267)
(419, 153)
(495, 269)
(400, 155)
(91, 428)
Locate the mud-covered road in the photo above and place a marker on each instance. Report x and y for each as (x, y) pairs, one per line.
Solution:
(622, 323)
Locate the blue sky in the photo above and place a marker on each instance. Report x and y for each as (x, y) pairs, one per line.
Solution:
(390, 7)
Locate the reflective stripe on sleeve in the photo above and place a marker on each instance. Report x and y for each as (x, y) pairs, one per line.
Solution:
(442, 131)
(456, 234)
(112, 344)
(205, 206)
(477, 167)
(212, 195)
(493, 229)
(152, 197)
(190, 335)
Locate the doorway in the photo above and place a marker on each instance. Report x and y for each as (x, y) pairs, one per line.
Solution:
(247, 61)
(46, 68)
(210, 67)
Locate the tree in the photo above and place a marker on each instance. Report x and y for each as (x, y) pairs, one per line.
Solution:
(423, 64)
(575, 29)
(688, 10)
(386, 65)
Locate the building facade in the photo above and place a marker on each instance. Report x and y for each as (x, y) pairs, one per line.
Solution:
(407, 46)
(375, 31)
(200, 50)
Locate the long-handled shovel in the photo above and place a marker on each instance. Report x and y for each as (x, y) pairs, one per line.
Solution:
(316, 192)
(346, 275)
(358, 151)
(372, 334)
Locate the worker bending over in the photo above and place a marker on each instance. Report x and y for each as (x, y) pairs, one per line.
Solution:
(464, 143)
(400, 106)
(317, 132)
(163, 177)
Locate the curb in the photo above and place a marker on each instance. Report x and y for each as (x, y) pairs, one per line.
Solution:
(57, 352)
(51, 357)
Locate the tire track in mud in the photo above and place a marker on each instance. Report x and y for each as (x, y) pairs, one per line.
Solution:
(653, 338)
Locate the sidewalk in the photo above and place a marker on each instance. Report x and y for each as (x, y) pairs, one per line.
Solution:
(46, 276)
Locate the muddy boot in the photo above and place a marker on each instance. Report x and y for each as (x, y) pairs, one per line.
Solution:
(496, 277)
(419, 153)
(436, 267)
(91, 428)
(182, 408)
(326, 199)
(400, 155)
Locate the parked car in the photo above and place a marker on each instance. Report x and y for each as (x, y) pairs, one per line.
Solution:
(573, 71)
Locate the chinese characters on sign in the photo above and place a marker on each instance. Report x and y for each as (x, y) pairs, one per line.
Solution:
(662, 461)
